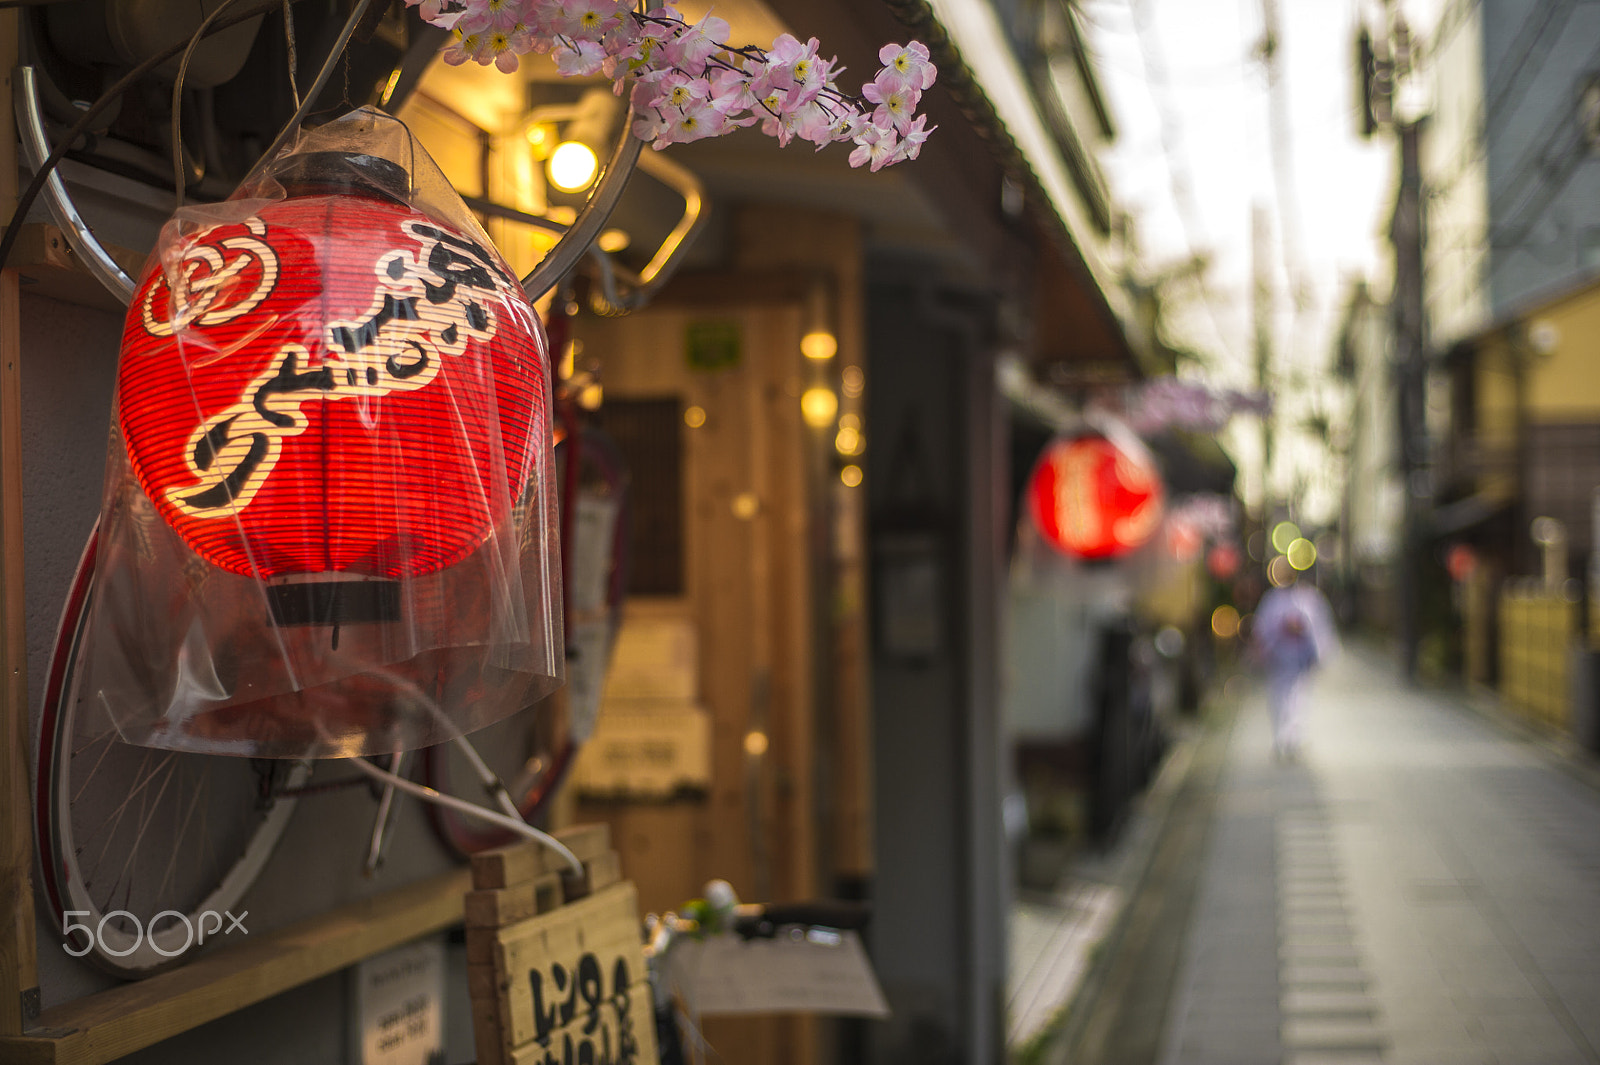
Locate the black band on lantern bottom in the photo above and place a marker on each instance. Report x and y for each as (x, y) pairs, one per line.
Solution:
(334, 602)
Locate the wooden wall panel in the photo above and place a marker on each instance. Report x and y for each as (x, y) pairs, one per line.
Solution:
(18, 961)
(758, 568)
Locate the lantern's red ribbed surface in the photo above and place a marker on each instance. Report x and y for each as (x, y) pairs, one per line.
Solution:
(1093, 499)
(338, 384)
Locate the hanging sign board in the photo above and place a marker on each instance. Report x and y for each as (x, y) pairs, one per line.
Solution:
(400, 1005)
(568, 984)
(817, 972)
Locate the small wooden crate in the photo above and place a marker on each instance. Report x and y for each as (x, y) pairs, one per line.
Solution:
(555, 962)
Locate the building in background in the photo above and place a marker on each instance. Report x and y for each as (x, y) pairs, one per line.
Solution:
(1374, 494)
(1496, 116)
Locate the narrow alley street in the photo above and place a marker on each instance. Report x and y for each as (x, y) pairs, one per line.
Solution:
(1420, 887)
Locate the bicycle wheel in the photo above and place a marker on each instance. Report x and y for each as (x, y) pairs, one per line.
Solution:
(136, 845)
(594, 545)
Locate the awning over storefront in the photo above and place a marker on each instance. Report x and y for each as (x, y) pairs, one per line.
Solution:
(991, 134)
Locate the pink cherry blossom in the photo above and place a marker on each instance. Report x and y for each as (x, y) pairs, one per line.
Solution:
(685, 82)
(896, 104)
(730, 92)
(588, 19)
(910, 145)
(580, 59)
(493, 16)
(696, 121)
(874, 145)
(690, 49)
(442, 13)
(462, 47)
(909, 63)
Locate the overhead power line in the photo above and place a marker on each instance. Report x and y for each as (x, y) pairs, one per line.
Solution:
(1539, 31)
(1158, 82)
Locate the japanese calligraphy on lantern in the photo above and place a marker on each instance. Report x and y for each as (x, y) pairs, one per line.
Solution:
(425, 308)
(573, 985)
(215, 280)
(334, 383)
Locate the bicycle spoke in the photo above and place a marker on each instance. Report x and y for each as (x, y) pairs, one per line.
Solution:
(110, 742)
(152, 805)
(169, 877)
(114, 820)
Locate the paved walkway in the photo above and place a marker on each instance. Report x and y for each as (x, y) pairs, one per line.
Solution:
(1419, 890)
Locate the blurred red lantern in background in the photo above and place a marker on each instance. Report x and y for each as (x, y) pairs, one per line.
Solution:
(1223, 561)
(1460, 560)
(294, 395)
(1094, 498)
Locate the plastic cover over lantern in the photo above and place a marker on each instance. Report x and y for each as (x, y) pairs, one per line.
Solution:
(328, 525)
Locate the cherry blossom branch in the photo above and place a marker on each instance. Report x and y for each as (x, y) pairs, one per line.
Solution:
(687, 81)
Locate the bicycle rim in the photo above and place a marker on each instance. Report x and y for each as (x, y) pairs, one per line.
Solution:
(142, 846)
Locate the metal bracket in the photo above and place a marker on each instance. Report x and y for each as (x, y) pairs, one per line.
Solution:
(35, 150)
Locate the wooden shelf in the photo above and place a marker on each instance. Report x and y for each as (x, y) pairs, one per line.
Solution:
(103, 1027)
(49, 267)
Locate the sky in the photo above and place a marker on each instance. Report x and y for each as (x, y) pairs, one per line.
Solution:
(1193, 156)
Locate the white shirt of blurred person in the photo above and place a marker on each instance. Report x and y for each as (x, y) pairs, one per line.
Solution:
(1293, 634)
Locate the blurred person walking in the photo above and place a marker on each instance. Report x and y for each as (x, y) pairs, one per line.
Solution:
(1294, 634)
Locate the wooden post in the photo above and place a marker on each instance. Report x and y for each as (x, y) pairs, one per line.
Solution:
(19, 978)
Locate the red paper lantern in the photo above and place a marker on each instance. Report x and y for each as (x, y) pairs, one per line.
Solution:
(1461, 560)
(338, 384)
(1093, 498)
(1224, 561)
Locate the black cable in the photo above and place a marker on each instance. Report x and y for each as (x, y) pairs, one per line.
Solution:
(323, 75)
(31, 193)
(178, 178)
(1505, 91)
(294, 55)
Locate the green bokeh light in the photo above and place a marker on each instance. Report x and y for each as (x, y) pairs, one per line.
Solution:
(1302, 554)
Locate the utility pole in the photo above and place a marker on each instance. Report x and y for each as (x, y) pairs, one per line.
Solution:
(1406, 310)
(1261, 269)
(1384, 64)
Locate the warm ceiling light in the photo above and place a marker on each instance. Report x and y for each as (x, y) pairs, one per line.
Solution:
(542, 137)
(848, 442)
(851, 476)
(573, 166)
(818, 406)
(613, 241)
(819, 344)
(854, 381)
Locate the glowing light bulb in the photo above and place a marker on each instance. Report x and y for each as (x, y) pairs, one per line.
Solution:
(819, 344)
(818, 406)
(573, 166)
